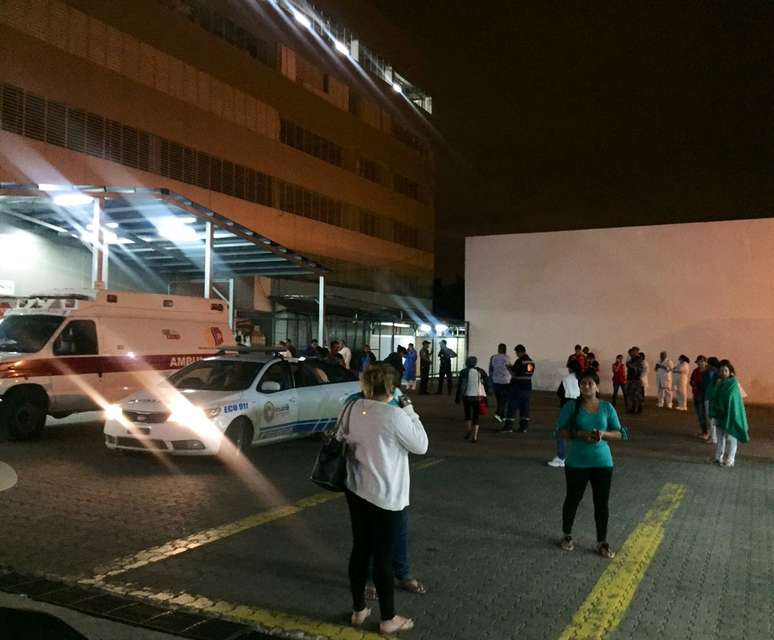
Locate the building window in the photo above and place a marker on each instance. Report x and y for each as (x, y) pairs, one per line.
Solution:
(304, 140)
(407, 187)
(368, 170)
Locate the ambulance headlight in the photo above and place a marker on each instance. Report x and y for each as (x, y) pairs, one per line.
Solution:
(114, 412)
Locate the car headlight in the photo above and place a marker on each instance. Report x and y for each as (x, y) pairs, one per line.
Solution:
(114, 412)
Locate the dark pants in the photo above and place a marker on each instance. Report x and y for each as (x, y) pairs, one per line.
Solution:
(622, 387)
(635, 394)
(701, 414)
(374, 534)
(445, 372)
(518, 400)
(424, 376)
(501, 391)
(472, 406)
(600, 478)
(401, 568)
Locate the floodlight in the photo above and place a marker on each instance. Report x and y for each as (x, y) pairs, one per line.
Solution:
(341, 47)
(397, 88)
(425, 328)
(441, 328)
(72, 199)
(301, 18)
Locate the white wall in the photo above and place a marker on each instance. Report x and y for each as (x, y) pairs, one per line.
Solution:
(690, 288)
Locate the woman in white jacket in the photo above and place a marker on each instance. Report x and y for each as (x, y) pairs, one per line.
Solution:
(380, 437)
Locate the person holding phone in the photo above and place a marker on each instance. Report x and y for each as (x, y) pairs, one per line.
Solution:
(589, 424)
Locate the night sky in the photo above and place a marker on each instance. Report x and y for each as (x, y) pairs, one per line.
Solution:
(609, 115)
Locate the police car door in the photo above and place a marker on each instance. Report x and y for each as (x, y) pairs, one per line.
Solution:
(76, 380)
(276, 403)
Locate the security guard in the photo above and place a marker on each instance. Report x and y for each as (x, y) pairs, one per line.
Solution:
(520, 391)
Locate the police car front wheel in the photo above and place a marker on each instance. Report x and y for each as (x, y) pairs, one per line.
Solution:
(239, 436)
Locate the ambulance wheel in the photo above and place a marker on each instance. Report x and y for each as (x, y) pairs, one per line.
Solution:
(24, 414)
(240, 434)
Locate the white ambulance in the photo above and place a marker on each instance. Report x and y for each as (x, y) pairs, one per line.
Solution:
(74, 351)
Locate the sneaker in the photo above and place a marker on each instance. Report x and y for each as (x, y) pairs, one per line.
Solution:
(556, 462)
(728, 464)
(566, 543)
(605, 551)
(498, 418)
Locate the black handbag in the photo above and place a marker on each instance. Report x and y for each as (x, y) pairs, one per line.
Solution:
(330, 467)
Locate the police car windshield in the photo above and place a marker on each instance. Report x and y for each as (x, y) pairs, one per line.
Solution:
(27, 334)
(216, 375)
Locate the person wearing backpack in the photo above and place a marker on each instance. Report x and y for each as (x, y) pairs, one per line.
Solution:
(589, 424)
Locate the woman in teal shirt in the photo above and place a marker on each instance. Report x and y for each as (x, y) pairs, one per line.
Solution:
(588, 423)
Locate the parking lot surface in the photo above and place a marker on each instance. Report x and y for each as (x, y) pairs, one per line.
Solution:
(263, 546)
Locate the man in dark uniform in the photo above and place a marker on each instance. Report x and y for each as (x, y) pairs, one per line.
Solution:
(425, 353)
(521, 390)
(444, 370)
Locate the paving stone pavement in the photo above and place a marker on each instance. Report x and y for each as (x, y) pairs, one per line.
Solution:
(484, 523)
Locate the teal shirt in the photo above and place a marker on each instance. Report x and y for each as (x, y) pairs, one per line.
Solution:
(586, 454)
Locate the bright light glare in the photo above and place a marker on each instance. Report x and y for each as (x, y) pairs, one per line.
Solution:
(113, 412)
(108, 236)
(72, 199)
(52, 187)
(397, 88)
(302, 19)
(425, 328)
(441, 328)
(19, 250)
(175, 230)
(183, 412)
(341, 47)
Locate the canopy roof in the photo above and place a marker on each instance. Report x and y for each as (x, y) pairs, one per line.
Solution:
(161, 229)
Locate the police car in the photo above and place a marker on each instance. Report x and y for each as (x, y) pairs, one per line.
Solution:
(247, 396)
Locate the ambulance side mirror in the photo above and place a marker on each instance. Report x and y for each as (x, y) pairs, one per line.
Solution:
(270, 386)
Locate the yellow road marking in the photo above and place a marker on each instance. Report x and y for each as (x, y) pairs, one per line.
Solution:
(607, 603)
(264, 619)
(181, 545)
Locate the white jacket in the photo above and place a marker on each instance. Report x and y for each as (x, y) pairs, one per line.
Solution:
(380, 438)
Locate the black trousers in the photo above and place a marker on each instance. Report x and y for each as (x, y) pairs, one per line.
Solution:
(445, 372)
(424, 376)
(577, 478)
(374, 534)
(622, 387)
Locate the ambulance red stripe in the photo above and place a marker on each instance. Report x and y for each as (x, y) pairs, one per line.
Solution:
(79, 365)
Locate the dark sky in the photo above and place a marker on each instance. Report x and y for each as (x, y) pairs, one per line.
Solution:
(605, 114)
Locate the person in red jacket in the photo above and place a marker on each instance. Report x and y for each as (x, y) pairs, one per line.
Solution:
(619, 378)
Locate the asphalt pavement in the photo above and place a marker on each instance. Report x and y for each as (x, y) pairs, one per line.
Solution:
(192, 548)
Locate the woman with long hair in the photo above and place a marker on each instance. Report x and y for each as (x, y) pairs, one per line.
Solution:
(727, 408)
(589, 424)
(379, 438)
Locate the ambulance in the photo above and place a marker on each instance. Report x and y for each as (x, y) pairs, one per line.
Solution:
(69, 352)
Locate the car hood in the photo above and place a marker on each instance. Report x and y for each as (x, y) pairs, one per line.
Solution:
(148, 401)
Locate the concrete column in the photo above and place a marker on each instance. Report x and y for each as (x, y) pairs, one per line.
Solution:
(208, 259)
(321, 313)
(98, 247)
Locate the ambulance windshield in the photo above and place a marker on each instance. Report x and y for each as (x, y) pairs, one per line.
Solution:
(216, 375)
(27, 334)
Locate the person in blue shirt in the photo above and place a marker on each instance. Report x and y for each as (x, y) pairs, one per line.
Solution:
(588, 423)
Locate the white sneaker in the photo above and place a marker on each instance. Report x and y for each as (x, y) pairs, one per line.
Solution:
(556, 462)
(498, 418)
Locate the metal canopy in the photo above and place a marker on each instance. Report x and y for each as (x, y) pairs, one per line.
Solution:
(162, 230)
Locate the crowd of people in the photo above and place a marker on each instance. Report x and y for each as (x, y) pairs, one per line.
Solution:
(383, 428)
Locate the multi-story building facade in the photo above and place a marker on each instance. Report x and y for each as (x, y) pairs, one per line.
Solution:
(269, 112)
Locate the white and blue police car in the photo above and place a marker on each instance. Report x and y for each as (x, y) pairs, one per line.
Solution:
(246, 396)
